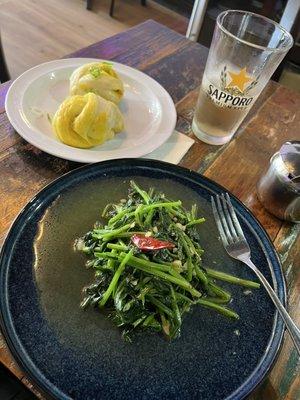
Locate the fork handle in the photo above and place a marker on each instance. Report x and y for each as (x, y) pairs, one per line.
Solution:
(291, 326)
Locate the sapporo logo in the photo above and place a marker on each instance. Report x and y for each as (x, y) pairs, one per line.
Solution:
(235, 89)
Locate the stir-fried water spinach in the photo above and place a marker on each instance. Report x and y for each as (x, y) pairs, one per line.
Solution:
(148, 266)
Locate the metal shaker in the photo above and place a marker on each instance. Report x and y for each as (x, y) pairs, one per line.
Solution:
(279, 187)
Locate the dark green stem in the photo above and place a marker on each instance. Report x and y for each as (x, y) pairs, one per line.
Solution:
(232, 279)
(219, 292)
(220, 309)
(115, 279)
(160, 305)
(195, 222)
(144, 195)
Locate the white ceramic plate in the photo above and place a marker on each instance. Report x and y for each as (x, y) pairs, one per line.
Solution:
(149, 112)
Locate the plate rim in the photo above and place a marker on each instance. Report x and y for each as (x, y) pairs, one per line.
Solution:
(23, 359)
(68, 152)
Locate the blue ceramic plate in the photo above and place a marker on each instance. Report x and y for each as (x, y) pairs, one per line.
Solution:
(73, 354)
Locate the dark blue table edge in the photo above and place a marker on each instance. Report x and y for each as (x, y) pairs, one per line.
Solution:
(6, 324)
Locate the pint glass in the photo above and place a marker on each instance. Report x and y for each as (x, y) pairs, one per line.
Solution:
(246, 49)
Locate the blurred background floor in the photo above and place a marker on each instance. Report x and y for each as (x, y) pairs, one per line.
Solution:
(36, 31)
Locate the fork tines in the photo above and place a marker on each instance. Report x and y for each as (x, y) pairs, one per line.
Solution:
(226, 219)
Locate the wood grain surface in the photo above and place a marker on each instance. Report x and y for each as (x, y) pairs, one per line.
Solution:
(178, 65)
(46, 30)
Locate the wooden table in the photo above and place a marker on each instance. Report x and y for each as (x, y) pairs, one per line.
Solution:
(178, 65)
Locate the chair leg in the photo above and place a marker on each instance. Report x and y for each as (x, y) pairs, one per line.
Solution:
(143, 2)
(89, 4)
(278, 72)
(112, 6)
(4, 74)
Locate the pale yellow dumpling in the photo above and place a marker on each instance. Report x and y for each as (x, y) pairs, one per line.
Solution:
(87, 121)
(99, 78)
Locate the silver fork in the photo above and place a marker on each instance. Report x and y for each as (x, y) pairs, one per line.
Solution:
(236, 245)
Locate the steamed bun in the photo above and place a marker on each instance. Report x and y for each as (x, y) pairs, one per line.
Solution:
(87, 120)
(99, 78)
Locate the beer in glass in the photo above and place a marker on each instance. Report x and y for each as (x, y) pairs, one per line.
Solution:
(246, 49)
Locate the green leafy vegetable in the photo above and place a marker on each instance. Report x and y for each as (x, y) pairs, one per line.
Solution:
(95, 71)
(144, 287)
(108, 64)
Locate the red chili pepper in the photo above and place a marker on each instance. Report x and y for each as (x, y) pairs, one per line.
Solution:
(145, 243)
